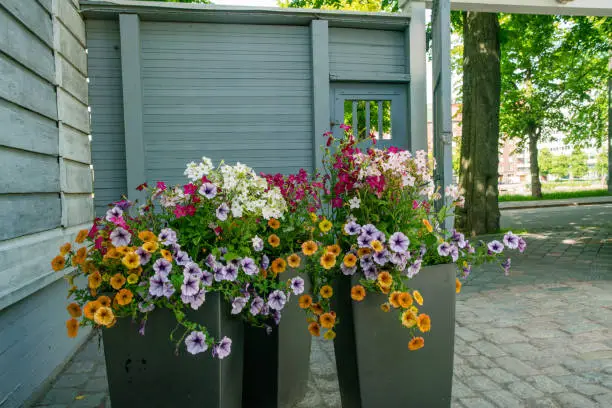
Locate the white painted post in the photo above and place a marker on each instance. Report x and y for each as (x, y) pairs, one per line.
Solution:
(320, 87)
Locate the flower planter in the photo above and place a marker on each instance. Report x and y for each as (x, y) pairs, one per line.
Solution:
(144, 371)
(375, 367)
(276, 365)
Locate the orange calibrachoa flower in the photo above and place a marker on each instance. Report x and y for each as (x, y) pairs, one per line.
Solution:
(416, 343)
(314, 329)
(457, 285)
(326, 291)
(147, 236)
(385, 279)
(427, 225)
(309, 248)
(294, 260)
(350, 260)
(64, 249)
(58, 263)
(117, 281)
(90, 308)
(376, 245)
(124, 297)
(417, 297)
(274, 240)
(132, 278)
(274, 223)
(327, 320)
(74, 309)
(131, 260)
(104, 316)
(80, 256)
(328, 260)
(150, 246)
(358, 293)
(112, 254)
(72, 327)
(305, 301)
(122, 250)
(405, 300)
(104, 301)
(80, 238)
(394, 299)
(316, 309)
(409, 319)
(94, 280)
(361, 252)
(329, 335)
(279, 265)
(333, 249)
(424, 323)
(325, 225)
(166, 255)
(385, 307)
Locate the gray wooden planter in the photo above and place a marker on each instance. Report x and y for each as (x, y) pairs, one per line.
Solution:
(143, 371)
(276, 365)
(375, 367)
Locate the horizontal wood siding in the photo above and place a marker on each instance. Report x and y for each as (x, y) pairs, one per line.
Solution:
(367, 53)
(106, 101)
(233, 92)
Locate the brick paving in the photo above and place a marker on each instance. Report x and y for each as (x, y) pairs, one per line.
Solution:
(540, 338)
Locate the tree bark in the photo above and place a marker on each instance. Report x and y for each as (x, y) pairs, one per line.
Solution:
(534, 167)
(478, 174)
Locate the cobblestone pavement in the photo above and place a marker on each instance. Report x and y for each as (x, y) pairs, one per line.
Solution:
(541, 337)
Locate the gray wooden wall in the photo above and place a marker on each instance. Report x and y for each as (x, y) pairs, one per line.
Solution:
(45, 183)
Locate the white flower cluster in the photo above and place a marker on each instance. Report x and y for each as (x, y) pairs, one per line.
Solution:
(196, 171)
(172, 197)
(452, 192)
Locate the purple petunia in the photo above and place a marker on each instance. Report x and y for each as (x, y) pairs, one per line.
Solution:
(256, 305)
(352, 228)
(156, 285)
(398, 258)
(114, 212)
(364, 240)
(522, 245)
(207, 278)
(123, 204)
(193, 269)
(454, 253)
(495, 247)
(265, 262)
(223, 349)
(511, 240)
(276, 300)
(276, 315)
(208, 190)
(198, 299)
(238, 304)
(168, 289)
(366, 261)
(506, 265)
(231, 272)
(196, 342)
(167, 236)
(120, 237)
(190, 286)
(369, 229)
(398, 242)
(258, 243)
(348, 270)
(162, 267)
(223, 212)
(414, 268)
(297, 285)
(444, 249)
(144, 256)
(379, 236)
(219, 273)
(381, 257)
(182, 258)
(249, 267)
(210, 261)
(371, 273)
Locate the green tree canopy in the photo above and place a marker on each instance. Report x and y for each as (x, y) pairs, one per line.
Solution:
(545, 158)
(578, 163)
(560, 166)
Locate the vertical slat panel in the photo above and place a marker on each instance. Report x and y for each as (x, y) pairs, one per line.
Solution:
(415, 61)
(319, 37)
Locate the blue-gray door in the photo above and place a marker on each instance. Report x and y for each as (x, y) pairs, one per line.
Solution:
(380, 109)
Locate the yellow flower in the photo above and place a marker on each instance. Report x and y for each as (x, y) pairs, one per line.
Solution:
(376, 245)
(150, 246)
(74, 309)
(414, 309)
(94, 280)
(313, 217)
(427, 225)
(326, 291)
(457, 285)
(385, 307)
(122, 250)
(90, 309)
(424, 323)
(405, 300)
(350, 260)
(147, 236)
(325, 225)
(333, 249)
(274, 223)
(132, 278)
(329, 335)
(166, 254)
(358, 293)
(112, 254)
(305, 301)
(361, 252)
(64, 249)
(80, 238)
(417, 296)
(394, 299)
(385, 280)
(72, 327)
(124, 297)
(80, 256)
(104, 316)
(104, 301)
(58, 263)
(328, 261)
(327, 320)
(314, 329)
(117, 281)
(416, 343)
(131, 260)
(279, 265)
(294, 260)
(409, 319)
(309, 248)
(274, 240)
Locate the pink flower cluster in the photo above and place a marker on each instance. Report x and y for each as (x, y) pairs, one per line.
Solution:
(297, 188)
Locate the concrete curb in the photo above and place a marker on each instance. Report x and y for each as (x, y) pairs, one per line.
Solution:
(523, 205)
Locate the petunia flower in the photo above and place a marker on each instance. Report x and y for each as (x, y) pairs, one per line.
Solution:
(249, 267)
(120, 237)
(193, 269)
(277, 300)
(348, 270)
(354, 202)
(231, 272)
(208, 190)
(182, 258)
(162, 267)
(145, 256)
(511, 240)
(190, 286)
(398, 242)
(352, 228)
(258, 243)
(522, 244)
(256, 305)
(223, 349)
(114, 212)
(495, 247)
(444, 249)
(156, 285)
(196, 342)
(167, 236)
(414, 268)
(297, 285)
(238, 304)
(223, 212)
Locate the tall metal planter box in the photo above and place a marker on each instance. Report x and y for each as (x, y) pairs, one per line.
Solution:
(375, 367)
(144, 371)
(276, 365)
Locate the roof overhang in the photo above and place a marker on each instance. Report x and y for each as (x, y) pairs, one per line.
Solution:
(205, 13)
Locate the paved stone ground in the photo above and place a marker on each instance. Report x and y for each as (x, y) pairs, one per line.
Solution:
(541, 337)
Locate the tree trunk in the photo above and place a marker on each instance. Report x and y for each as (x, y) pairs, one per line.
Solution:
(536, 186)
(478, 175)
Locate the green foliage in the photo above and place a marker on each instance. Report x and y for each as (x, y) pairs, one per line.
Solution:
(545, 159)
(559, 166)
(578, 163)
(554, 196)
(601, 166)
(354, 5)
